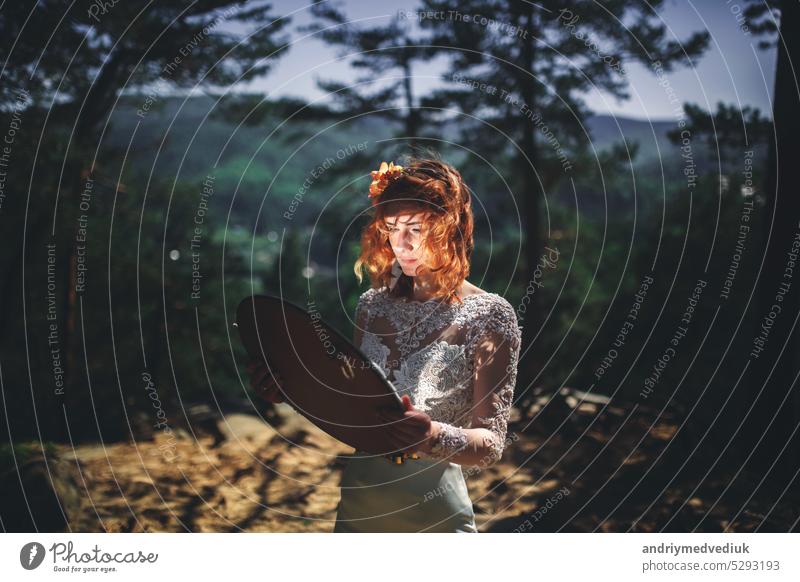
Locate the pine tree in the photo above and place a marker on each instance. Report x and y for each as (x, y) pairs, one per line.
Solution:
(771, 435)
(74, 62)
(519, 71)
(387, 57)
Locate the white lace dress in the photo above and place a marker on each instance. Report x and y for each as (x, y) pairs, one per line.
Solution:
(457, 363)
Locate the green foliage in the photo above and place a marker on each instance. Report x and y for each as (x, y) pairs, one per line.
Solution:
(726, 132)
(13, 455)
(535, 58)
(137, 316)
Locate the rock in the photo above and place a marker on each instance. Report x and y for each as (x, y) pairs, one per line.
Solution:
(566, 410)
(239, 427)
(51, 492)
(574, 397)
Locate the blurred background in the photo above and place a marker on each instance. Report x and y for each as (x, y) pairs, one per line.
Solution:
(161, 162)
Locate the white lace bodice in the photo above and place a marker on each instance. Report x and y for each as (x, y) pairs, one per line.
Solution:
(436, 353)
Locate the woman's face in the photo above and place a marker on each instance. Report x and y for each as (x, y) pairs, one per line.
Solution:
(406, 232)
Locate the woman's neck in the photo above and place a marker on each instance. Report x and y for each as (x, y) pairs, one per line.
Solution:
(423, 289)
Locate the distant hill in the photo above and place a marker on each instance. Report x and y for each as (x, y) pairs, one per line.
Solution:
(165, 143)
(605, 129)
(650, 135)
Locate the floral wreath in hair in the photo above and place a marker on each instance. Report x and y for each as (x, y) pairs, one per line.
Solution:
(382, 177)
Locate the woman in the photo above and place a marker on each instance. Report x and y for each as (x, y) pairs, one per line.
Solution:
(450, 349)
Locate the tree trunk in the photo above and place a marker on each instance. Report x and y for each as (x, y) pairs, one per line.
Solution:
(531, 200)
(784, 199)
(412, 115)
(97, 105)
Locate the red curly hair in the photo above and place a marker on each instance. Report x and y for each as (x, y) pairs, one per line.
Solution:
(434, 188)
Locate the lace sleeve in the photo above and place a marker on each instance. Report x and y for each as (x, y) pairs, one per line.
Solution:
(361, 319)
(495, 347)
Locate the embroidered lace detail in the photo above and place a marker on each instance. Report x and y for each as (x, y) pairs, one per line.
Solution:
(439, 374)
(375, 351)
(452, 439)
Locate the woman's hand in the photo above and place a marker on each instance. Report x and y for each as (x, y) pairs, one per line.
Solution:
(410, 431)
(267, 385)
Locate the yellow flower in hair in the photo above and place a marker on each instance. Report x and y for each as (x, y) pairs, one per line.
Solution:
(382, 177)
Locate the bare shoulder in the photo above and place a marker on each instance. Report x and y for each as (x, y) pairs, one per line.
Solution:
(468, 289)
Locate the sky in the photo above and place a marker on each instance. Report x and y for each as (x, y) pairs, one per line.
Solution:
(732, 70)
